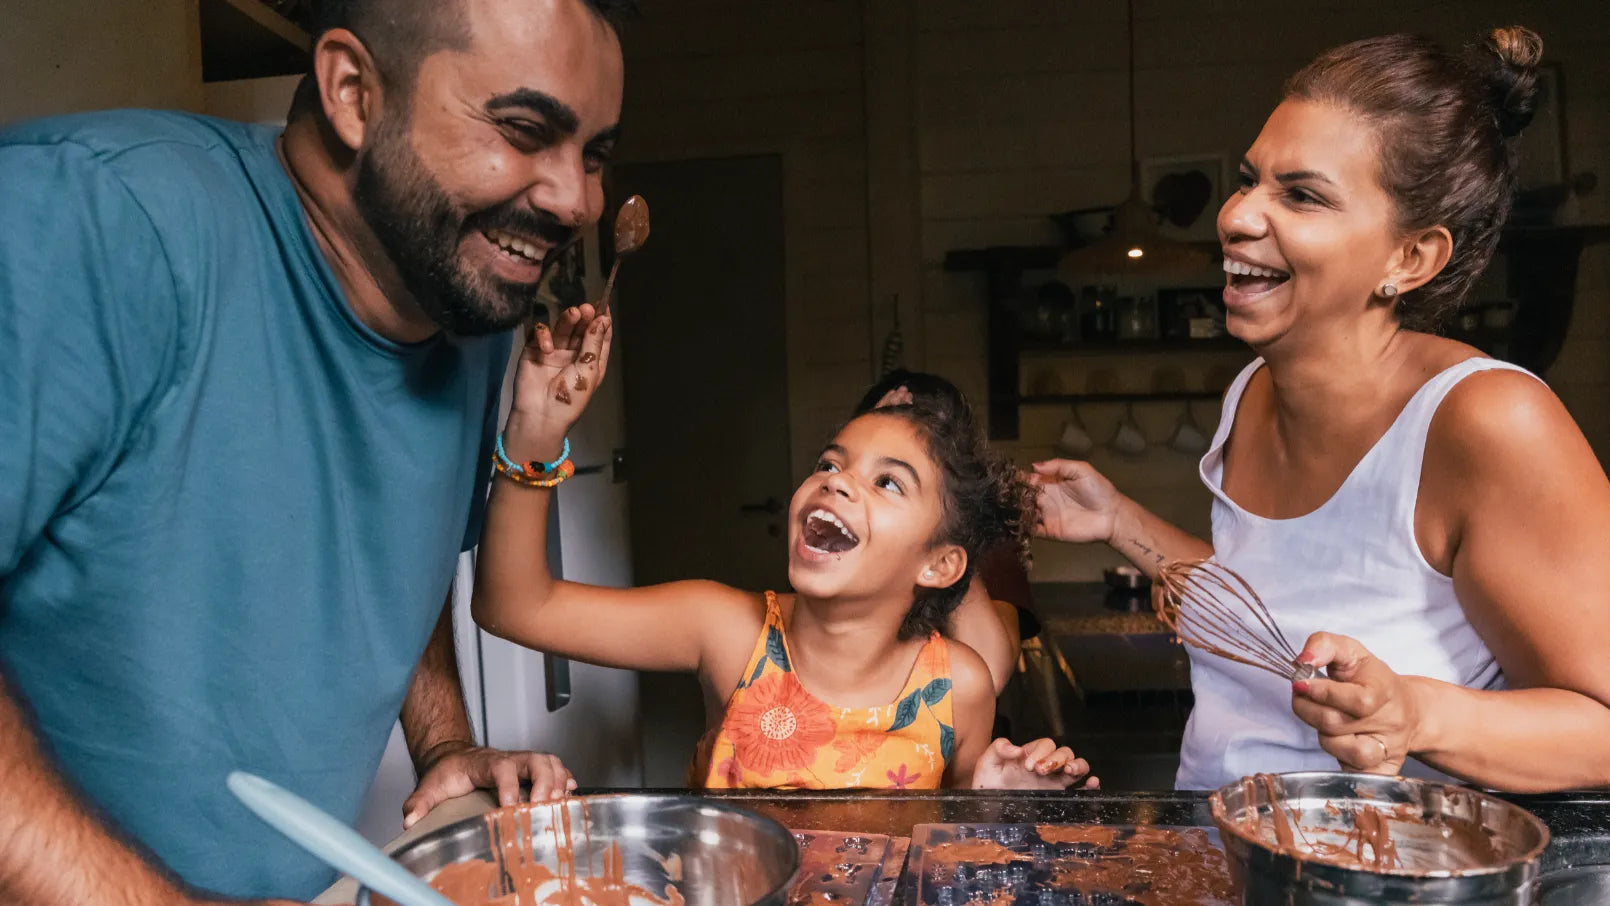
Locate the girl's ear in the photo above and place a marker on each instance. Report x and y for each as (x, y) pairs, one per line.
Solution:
(943, 567)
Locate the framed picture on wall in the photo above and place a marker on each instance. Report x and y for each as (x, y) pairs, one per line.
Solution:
(1542, 162)
(1187, 191)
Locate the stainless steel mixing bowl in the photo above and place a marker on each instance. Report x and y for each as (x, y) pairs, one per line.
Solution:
(729, 857)
(1494, 861)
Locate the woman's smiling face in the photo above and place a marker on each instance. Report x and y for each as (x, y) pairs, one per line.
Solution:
(1311, 231)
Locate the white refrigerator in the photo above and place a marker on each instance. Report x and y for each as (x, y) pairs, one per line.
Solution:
(521, 699)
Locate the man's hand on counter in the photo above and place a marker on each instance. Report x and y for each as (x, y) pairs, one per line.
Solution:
(462, 769)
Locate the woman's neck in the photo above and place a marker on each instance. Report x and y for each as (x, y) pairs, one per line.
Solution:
(1322, 382)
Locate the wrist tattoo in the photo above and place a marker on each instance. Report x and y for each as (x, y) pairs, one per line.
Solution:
(1146, 550)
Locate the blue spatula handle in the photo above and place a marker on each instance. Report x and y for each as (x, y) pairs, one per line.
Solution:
(338, 845)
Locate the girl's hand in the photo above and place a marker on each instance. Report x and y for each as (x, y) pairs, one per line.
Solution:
(1077, 504)
(1367, 715)
(1040, 765)
(559, 371)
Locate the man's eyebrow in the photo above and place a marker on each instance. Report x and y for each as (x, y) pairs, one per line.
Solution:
(607, 136)
(556, 112)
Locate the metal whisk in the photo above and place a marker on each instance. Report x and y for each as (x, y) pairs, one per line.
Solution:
(1208, 605)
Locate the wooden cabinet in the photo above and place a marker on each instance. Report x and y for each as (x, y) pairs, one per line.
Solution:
(247, 39)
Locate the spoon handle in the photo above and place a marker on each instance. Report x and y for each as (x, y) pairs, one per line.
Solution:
(338, 845)
(609, 285)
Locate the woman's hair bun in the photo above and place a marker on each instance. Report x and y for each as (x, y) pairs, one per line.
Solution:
(1507, 61)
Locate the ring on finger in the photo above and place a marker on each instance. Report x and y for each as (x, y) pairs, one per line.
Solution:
(1385, 752)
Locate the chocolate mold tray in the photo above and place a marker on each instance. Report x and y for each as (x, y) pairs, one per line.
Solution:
(1066, 865)
(840, 869)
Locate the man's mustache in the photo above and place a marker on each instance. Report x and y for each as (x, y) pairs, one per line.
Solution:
(539, 224)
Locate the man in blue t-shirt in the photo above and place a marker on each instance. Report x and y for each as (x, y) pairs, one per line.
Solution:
(248, 384)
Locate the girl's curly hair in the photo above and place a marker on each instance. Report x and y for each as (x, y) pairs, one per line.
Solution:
(985, 501)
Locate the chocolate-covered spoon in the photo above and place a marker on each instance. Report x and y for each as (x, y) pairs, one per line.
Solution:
(631, 231)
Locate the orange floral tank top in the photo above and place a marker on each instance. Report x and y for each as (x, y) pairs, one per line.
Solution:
(776, 735)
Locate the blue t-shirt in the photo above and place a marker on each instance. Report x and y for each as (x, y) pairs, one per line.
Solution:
(229, 511)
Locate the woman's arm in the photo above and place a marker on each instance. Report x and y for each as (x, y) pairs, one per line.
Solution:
(978, 763)
(1516, 507)
(977, 624)
(669, 627)
(1079, 505)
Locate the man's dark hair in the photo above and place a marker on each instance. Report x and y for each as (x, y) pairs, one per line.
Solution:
(402, 33)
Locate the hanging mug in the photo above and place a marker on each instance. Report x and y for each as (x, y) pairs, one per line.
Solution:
(1075, 441)
(1188, 437)
(1129, 439)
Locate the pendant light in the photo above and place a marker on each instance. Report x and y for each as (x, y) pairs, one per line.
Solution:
(1134, 247)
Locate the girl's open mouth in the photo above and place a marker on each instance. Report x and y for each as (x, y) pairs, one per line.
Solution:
(825, 533)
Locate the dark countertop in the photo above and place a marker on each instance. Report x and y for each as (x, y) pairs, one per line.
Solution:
(1072, 608)
(1110, 650)
(1578, 822)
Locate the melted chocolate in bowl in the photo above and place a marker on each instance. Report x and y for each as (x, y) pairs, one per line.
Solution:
(630, 850)
(1394, 836)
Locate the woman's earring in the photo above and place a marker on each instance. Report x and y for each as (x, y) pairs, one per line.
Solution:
(1389, 290)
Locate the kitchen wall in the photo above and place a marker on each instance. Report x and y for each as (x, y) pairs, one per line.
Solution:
(1022, 115)
(68, 55)
(720, 78)
(1013, 110)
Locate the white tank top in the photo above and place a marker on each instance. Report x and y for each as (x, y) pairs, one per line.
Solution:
(1352, 567)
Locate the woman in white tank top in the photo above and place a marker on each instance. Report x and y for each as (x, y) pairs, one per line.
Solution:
(1431, 522)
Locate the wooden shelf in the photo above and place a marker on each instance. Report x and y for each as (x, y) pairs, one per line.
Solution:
(1074, 399)
(246, 39)
(1542, 274)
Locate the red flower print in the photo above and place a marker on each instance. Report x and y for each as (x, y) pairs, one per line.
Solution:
(857, 748)
(902, 780)
(778, 726)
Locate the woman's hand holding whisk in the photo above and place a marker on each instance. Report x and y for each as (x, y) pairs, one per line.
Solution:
(1366, 714)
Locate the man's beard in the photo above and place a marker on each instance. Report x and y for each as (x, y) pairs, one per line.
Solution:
(421, 229)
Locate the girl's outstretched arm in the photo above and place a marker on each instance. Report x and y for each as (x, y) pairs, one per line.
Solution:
(675, 626)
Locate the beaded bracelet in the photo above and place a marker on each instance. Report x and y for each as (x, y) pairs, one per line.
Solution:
(532, 468)
(551, 479)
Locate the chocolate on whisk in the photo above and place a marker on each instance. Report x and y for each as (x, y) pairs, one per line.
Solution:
(1207, 605)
